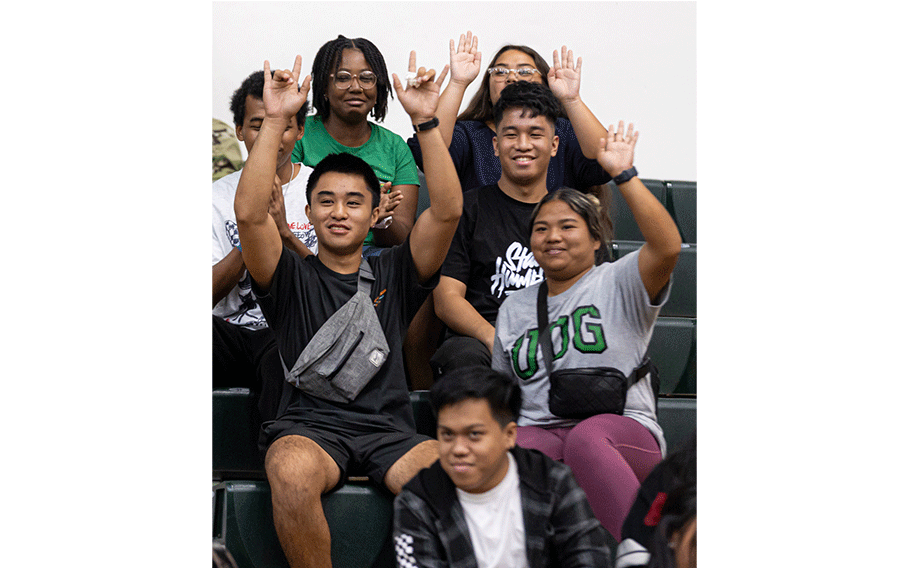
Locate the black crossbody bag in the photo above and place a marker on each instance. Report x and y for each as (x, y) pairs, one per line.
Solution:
(580, 393)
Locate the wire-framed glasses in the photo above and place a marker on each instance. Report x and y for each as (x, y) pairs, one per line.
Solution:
(343, 79)
(500, 73)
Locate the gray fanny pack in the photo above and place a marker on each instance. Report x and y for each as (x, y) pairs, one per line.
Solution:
(346, 352)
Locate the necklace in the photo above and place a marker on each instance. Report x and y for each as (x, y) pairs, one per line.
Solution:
(290, 179)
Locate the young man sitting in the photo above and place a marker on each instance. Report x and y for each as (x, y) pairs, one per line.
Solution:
(490, 256)
(319, 439)
(487, 502)
(243, 346)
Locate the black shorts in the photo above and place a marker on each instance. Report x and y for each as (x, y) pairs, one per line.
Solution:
(357, 452)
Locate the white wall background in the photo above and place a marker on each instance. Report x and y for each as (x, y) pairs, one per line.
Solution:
(638, 58)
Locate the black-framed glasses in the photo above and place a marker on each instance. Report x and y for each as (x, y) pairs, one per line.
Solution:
(500, 73)
(343, 79)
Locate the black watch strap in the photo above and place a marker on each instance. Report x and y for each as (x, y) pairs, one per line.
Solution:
(625, 176)
(426, 125)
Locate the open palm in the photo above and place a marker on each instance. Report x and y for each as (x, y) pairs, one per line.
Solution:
(464, 62)
(564, 77)
(617, 150)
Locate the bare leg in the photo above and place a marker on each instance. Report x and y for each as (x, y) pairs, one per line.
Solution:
(420, 456)
(299, 472)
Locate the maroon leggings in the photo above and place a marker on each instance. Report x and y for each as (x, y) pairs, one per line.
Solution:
(610, 455)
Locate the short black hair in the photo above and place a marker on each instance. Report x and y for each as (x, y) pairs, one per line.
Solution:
(344, 163)
(535, 98)
(252, 86)
(327, 61)
(501, 391)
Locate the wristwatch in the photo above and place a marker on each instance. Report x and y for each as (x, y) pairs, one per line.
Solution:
(383, 224)
(426, 125)
(625, 176)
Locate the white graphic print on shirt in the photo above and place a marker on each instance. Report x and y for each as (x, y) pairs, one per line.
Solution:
(519, 269)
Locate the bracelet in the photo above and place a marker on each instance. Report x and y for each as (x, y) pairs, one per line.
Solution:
(625, 176)
(433, 123)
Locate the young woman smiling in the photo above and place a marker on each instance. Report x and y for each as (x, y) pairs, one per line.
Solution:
(351, 84)
(603, 316)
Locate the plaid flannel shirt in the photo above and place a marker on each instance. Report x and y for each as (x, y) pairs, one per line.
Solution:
(430, 530)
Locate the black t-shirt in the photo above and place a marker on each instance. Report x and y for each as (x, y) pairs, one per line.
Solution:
(491, 250)
(305, 293)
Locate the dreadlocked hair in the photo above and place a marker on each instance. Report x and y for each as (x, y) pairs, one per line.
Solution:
(327, 62)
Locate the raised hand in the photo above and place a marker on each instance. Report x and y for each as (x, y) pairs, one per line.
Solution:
(464, 62)
(281, 94)
(564, 77)
(617, 151)
(421, 98)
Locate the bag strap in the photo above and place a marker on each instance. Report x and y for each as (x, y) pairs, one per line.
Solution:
(365, 277)
(546, 343)
(543, 328)
(642, 371)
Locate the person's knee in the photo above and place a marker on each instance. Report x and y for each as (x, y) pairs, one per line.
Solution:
(460, 351)
(297, 468)
(420, 456)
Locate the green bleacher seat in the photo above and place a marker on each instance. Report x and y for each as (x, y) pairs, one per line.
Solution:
(624, 226)
(672, 349)
(677, 418)
(622, 248)
(359, 517)
(681, 202)
(235, 431)
(683, 300)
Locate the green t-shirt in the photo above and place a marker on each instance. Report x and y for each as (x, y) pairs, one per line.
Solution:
(386, 152)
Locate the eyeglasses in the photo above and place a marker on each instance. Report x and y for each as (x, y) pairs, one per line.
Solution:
(500, 73)
(343, 79)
